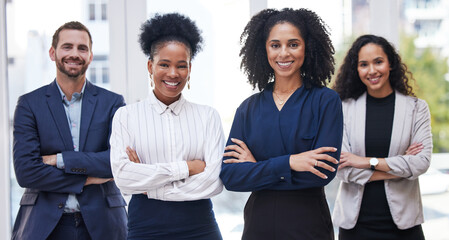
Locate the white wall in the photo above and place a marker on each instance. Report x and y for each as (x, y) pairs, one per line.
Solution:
(5, 217)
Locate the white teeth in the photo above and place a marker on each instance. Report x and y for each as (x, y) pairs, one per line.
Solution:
(171, 83)
(284, 64)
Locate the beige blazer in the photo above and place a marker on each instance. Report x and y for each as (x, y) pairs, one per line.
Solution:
(411, 124)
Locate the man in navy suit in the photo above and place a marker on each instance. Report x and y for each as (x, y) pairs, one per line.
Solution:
(61, 151)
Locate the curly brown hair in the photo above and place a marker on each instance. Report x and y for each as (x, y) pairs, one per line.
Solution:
(318, 63)
(348, 83)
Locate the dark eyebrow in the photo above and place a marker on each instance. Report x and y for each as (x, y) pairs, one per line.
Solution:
(375, 59)
(290, 40)
(166, 60)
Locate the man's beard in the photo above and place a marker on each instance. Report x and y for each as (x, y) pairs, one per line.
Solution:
(71, 74)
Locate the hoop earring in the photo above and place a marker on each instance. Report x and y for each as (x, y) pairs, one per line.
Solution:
(188, 83)
(151, 79)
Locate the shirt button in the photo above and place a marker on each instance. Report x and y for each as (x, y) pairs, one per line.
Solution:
(282, 178)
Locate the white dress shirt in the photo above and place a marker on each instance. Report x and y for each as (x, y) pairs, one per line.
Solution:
(165, 137)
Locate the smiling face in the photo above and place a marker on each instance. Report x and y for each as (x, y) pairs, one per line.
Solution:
(285, 51)
(72, 54)
(170, 68)
(374, 70)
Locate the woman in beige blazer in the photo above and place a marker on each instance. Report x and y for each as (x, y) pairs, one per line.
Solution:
(387, 145)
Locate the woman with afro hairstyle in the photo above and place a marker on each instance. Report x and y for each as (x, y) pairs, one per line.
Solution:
(284, 142)
(387, 145)
(165, 150)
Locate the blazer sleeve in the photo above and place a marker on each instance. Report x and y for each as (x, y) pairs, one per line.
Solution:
(248, 176)
(30, 171)
(352, 174)
(94, 164)
(412, 166)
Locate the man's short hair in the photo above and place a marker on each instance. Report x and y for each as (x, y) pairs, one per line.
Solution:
(73, 25)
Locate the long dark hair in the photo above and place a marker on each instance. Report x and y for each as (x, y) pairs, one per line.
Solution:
(348, 83)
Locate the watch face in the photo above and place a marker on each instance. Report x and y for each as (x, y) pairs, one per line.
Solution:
(374, 161)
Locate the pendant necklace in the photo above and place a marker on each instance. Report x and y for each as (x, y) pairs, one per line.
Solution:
(281, 102)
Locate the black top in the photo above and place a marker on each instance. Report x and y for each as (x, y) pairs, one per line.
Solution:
(379, 125)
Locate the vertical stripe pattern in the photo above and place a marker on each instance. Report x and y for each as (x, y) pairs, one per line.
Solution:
(165, 137)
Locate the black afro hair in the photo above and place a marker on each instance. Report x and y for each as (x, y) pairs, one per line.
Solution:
(169, 27)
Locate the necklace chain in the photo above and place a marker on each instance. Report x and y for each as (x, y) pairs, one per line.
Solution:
(281, 102)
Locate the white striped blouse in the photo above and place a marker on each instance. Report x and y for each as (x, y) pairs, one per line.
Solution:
(165, 137)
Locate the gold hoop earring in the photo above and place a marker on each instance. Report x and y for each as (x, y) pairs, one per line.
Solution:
(188, 83)
(151, 79)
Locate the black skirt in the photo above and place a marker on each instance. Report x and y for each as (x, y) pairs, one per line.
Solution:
(282, 215)
(155, 219)
(370, 233)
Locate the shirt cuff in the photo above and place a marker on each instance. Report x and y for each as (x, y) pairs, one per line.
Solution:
(59, 161)
(281, 168)
(180, 170)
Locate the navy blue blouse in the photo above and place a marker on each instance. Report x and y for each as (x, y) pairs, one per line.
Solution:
(311, 118)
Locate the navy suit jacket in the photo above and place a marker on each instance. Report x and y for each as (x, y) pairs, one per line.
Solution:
(41, 128)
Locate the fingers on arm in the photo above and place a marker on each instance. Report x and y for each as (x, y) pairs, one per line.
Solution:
(320, 160)
(318, 173)
(240, 143)
(324, 165)
(235, 149)
(414, 149)
(132, 155)
(324, 149)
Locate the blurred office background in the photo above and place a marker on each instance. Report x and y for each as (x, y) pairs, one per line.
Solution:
(418, 28)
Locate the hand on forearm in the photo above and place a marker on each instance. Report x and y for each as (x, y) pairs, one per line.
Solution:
(348, 159)
(311, 160)
(132, 155)
(196, 166)
(49, 159)
(96, 180)
(414, 149)
(239, 152)
(379, 175)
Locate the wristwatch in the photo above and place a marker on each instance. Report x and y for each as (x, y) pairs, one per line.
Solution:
(373, 163)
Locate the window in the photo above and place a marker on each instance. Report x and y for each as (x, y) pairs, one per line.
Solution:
(93, 74)
(97, 10)
(91, 11)
(98, 71)
(104, 12)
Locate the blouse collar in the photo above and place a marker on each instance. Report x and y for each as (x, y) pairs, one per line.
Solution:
(160, 107)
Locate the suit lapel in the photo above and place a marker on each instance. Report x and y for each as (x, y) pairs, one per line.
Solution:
(54, 101)
(400, 112)
(360, 123)
(87, 111)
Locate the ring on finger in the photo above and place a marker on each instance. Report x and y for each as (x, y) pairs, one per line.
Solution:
(316, 163)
